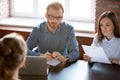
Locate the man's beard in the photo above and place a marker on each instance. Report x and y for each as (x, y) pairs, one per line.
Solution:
(53, 25)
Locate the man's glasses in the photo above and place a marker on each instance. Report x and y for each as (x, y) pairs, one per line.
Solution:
(53, 17)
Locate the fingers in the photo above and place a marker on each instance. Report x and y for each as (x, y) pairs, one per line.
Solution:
(48, 55)
(58, 56)
(55, 55)
(115, 61)
(86, 57)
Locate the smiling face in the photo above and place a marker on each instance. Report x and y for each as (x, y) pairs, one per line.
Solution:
(107, 27)
(54, 18)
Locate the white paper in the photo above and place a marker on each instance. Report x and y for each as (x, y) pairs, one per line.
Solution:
(53, 62)
(97, 54)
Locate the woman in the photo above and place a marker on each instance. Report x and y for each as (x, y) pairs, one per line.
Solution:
(108, 37)
(12, 56)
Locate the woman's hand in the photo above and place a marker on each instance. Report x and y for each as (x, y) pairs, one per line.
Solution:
(115, 61)
(86, 57)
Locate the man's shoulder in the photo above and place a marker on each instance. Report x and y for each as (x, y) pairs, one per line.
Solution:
(40, 26)
(66, 28)
(67, 25)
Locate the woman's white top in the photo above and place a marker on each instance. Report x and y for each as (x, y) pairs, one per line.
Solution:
(111, 47)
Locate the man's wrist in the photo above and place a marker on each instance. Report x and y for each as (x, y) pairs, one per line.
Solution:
(66, 58)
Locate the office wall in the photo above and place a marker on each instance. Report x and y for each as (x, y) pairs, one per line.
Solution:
(4, 8)
(101, 6)
(105, 5)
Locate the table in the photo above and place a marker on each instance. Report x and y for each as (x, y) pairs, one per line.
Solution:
(82, 70)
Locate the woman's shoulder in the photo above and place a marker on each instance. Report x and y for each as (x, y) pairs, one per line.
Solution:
(95, 37)
(117, 39)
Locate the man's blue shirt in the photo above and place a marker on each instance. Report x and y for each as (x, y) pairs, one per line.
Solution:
(63, 41)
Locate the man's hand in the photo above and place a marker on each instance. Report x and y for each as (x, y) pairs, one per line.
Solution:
(58, 56)
(48, 56)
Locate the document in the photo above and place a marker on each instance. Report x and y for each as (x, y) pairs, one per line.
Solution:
(53, 62)
(97, 54)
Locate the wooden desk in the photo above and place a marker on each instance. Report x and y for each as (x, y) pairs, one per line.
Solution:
(82, 70)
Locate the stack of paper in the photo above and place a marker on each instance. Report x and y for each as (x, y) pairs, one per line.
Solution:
(97, 54)
(53, 62)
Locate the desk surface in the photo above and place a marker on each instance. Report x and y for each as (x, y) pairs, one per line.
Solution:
(82, 70)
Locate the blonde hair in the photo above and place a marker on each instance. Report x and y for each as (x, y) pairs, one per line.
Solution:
(12, 52)
(55, 6)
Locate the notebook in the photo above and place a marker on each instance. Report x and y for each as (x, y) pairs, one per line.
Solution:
(35, 67)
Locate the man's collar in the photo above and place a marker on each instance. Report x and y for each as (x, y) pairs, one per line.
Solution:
(58, 29)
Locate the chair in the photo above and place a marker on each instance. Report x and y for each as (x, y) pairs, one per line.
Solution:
(35, 68)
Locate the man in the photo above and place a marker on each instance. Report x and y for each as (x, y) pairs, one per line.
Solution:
(54, 38)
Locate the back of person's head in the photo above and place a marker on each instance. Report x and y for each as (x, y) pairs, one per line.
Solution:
(111, 15)
(56, 6)
(12, 55)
